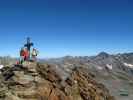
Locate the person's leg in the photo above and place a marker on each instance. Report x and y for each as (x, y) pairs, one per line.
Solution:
(34, 58)
(25, 58)
(21, 59)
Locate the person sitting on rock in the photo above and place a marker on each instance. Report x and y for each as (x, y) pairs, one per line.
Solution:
(34, 54)
(21, 56)
(26, 54)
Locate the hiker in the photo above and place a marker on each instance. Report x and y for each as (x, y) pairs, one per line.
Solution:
(28, 45)
(26, 54)
(34, 54)
(21, 56)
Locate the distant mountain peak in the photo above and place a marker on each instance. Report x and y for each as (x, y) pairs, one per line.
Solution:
(103, 54)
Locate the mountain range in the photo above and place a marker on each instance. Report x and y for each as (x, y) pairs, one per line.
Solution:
(115, 71)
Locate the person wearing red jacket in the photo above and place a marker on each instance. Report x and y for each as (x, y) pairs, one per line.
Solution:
(26, 54)
(21, 56)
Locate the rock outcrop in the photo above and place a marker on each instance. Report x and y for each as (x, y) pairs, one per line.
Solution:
(35, 81)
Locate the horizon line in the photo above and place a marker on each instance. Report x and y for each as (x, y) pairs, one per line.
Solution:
(48, 57)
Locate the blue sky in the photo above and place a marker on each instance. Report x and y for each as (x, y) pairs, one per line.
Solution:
(66, 27)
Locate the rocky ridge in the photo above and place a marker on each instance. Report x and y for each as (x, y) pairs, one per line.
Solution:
(36, 81)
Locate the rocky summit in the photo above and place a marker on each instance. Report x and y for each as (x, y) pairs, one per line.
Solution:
(37, 81)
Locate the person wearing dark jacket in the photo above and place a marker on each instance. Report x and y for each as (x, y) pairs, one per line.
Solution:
(28, 45)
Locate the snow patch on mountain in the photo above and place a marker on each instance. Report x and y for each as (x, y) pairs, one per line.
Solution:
(1, 66)
(128, 65)
(100, 68)
(109, 66)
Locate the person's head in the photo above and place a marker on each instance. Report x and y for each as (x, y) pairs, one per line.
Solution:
(28, 39)
(34, 49)
(22, 48)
